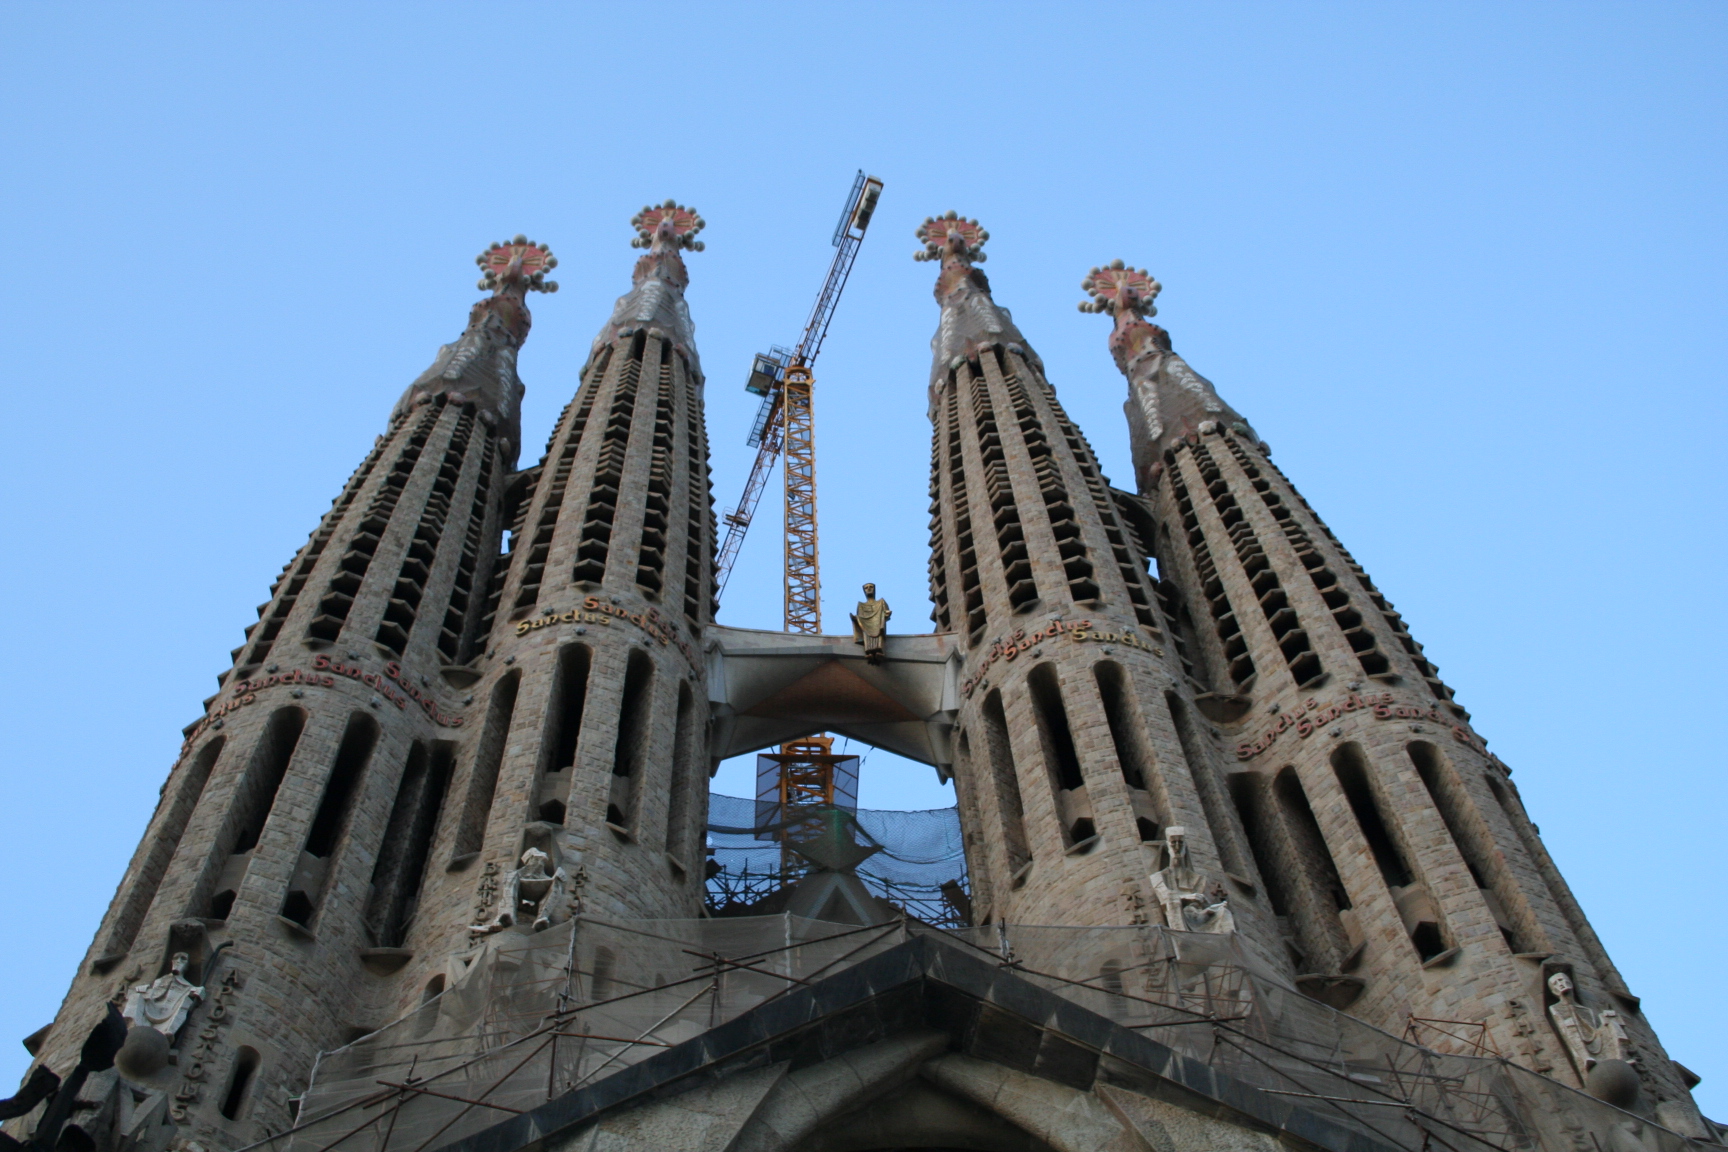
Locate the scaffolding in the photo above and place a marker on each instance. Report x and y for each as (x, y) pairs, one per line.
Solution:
(531, 1016)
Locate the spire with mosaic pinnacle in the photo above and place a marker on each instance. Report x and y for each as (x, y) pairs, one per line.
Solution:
(1408, 880)
(1075, 749)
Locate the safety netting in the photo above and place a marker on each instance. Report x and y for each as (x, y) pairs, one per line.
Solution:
(534, 1015)
(919, 864)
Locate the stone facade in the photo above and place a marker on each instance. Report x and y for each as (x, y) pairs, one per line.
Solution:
(468, 666)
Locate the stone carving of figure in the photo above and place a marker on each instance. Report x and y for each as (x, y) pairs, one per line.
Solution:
(163, 1003)
(870, 624)
(531, 893)
(1590, 1037)
(1192, 900)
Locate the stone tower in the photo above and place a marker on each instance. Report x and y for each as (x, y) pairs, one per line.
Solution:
(1410, 886)
(286, 855)
(1078, 742)
(592, 702)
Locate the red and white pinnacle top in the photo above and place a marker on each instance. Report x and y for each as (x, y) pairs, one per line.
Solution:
(656, 297)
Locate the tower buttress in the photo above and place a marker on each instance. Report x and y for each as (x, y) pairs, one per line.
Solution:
(1410, 885)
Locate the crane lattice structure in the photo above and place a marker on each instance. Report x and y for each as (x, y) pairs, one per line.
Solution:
(783, 377)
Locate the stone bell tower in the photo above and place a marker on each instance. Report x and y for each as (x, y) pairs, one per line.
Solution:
(1078, 743)
(281, 872)
(1409, 885)
(591, 707)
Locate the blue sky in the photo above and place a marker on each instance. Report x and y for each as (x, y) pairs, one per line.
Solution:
(1461, 264)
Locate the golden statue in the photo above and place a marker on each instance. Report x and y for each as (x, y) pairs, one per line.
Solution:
(870, 624)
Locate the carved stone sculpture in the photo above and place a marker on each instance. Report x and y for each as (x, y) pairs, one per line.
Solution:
(1590, 1037)
(870, 624)
(163, 1003)
(1192, 900)
(531, 893)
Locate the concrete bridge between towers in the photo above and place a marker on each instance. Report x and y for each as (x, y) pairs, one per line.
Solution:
(766, 688)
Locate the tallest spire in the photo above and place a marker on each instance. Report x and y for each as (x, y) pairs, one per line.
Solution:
(971, 319)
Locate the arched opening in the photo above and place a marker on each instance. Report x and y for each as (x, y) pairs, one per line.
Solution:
(685, 783)
(253, 801)
(159, 850)
(1416, 905)
(634, 711)
(483, 780)
(239, 1080)
(564, 729)
(399, 871)
(1061, 760)
(1005, 783)
(1475, 843)
(312, 873)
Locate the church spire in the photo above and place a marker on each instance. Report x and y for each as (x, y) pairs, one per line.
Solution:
(480, 367)
(1167, 399)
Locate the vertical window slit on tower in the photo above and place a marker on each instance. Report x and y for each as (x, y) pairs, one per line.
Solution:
(941, 613)
(1121, 715)
(971, 589)
(1238, 663)
(157, 851)
(684, 779)
(568, 441)
(253, 800)
(285, 593)
(1132, 568)
(999, 492)
(657, 501)
(1424, 667)
(1359, 636)
(1005, 785)
(483, 779)
(1220, 814)
(245, 1070)
(312, 873)
(1061, 760)
(454, 637)
(1416, 906)
(634, 711)
(1475, 843)
(1275, 605)
(1298, 868)
(1047, 471)
(563, 730)
(698, 541)
(400, 869)
(404, 605)
(519, 491)
(351, 570)
(595, 541)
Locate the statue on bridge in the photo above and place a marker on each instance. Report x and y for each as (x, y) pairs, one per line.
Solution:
(870, 624)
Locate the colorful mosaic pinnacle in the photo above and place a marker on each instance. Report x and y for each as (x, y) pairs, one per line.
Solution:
(1116, 286)
(519, 261)
(668, 225)
(952, 235)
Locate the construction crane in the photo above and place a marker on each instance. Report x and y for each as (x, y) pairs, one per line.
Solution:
(782, 377)
(802, 773)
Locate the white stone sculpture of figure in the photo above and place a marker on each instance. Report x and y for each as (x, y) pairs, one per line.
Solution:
(1192, 900)
(1590, 1037)
(163, 1003)
(531, 893)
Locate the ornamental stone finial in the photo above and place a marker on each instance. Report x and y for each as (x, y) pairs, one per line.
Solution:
(667, 226)
(516, 266)
(952, 235)
(1116, 287)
